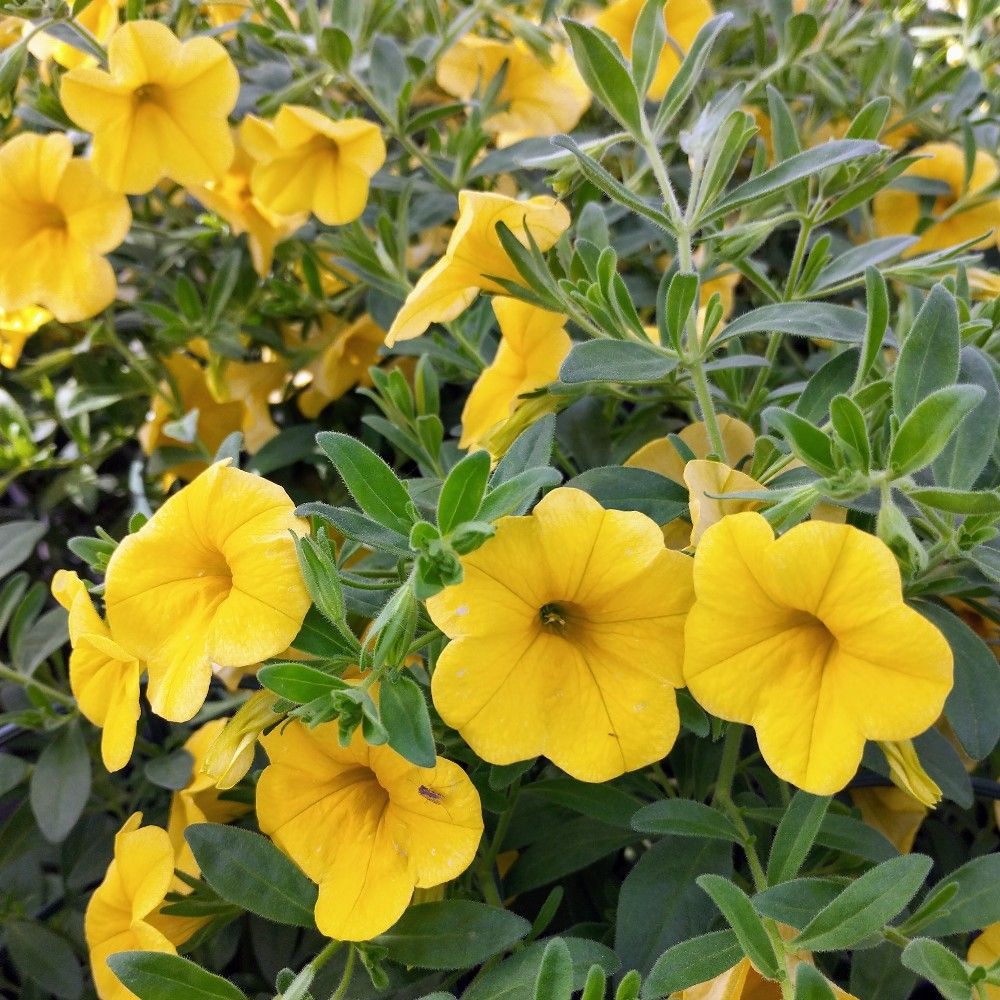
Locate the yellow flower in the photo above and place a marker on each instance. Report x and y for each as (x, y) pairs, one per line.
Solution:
(896, 815)
(160, 111)
(898, 212)
(533, 344)
(222, 13)
(983, 283)
(99, 17)
(231, 198)
(365, 824)
(123, 909)
(683, 18)
(103, 676)
(307, 162)
(57, 220)
(15, 329)
(474, 253)
(661, 456)
(11, 31)
(807, 639)
(253, 384)
(566, 640)
(211, 578)
(702, 478)
(348, 352)
(199, 801)
(540, 97)
(230, 755)
(908, 774)
(985, 950)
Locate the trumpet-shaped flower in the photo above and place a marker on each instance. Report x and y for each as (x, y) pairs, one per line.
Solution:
(985, 951)
(683, 20)
(540, 97)
(103, 677)
(533, 344)
(475, 255)
(947, 222)
(567, 640)
(705, 482)
(307, 162)
(254, 384)
(57, 220)
(122, 912)
(897, 815)
(232, 199)
(365, 824)
(807, 639)
(211, 578)
(160, 110)
(99, 17)
(15, 329)
(661, 456)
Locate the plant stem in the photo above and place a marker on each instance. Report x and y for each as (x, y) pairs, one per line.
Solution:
(345, 979)
(53, 694)
(730, 759)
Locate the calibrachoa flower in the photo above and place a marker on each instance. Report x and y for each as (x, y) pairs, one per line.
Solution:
(57, 220)
(899, 212)
(365, 824)
(540, 96)
(474, 255)
(985, 950)
(306, 162)
(15, 329)
(567, 640)
(231, 753)
(807, 639)
(99, 17)
(253, 384)
(211, 578)
(661, 456)
(705, 480)
(683, 19)
(160, 110)
(103, 676)
(122, 912)
(895, 814)
(533, 344)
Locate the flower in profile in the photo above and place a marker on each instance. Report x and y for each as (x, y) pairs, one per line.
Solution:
(365, 824)
(343, 362)
(254, 384)
(540, 96)
(567, 640)
(232, 199)
(99, 17)
(103, 677)
(683, 20)
(985, 951)
(160, 110)
(57, 221)
(908, 774)
(895, 814)
(661, 456)
(123, 910)
(533, 344)
(705, 481)
(306, 162)
(956, 214)
(474, 255)
(211, 578)
(230, 755)
(15, 329)
(807, 638)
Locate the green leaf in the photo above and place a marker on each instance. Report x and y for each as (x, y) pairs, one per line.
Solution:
(17, 541)
(849, 425)
(810, 444)
(795, 903)
(247, 870)
(796, 834)
(44, 957)
(555, 975)
(517, 494)
(171, 771)
(532, 449)
(821, 320)
(685, 818)
(832, 379)
(615, 361)
(153, 975)
(606, 74)
(60, 784)
(929, 425)
(698, 960)
(453, 934)
(866, 905)
(929, 357)
(358, 527)
(931, 960)
(811, 984)
(13, 770)
(625, 488)
(602, 802)
(976, 902)
(404, 713)
(463, 491)
(957, 501)
(735, 906)
(371, 482)
(648, 37)
(299, 682)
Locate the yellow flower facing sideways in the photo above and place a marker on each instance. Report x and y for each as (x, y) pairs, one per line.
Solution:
(122, 912)
(103, 676)
(57, 221)
(683, 19)
(567, 640)
(365, 824)
(985, 950)
(211, 578)
(807, 639)
(160, 110)
(899, 212)
(533, 344)
(306, 162)
(15, 329)
(474, 255)
(895, 814)
(541, 97)
(705, 481)
(661, 456)
(99, 17)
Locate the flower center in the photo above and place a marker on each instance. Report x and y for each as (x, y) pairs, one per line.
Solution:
(150, 93)
(559, 617)
(51, 217)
